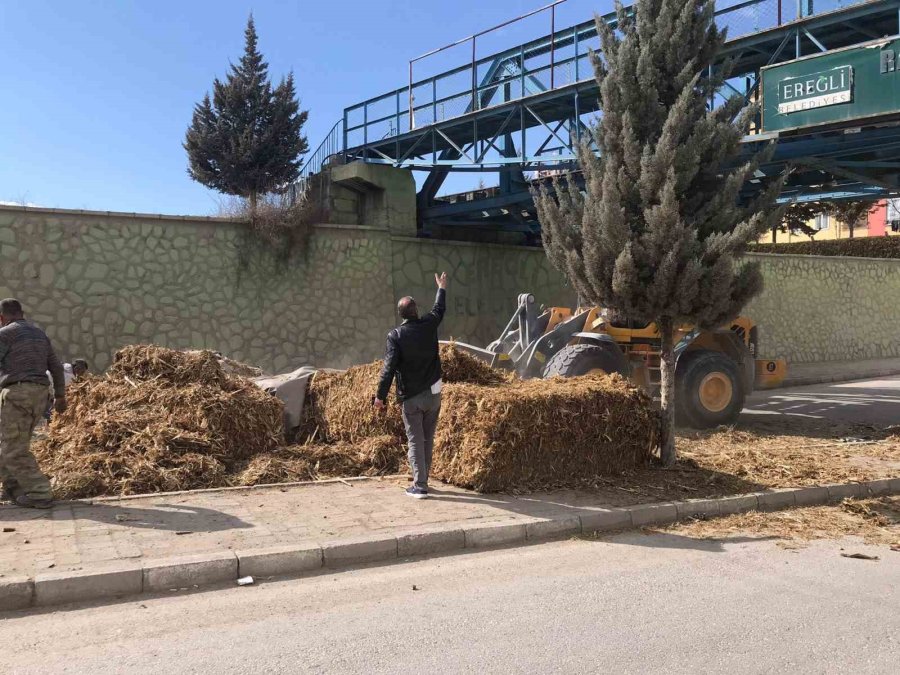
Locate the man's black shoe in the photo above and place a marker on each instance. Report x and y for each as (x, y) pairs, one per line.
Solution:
(31, 503)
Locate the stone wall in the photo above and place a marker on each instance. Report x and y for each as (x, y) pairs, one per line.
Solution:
(97, 281)
(817, 308)
(486, 280)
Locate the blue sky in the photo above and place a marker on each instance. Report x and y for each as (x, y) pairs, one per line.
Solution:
(96, 95)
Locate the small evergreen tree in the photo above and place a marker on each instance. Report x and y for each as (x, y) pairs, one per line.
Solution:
(659, 232)
(247, 141)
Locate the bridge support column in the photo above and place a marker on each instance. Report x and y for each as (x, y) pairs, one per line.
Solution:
(387, 196)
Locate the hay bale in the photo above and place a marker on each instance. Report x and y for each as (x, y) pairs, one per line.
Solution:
(339, 404)
(160, 420)
(539, 434)
(339, 408)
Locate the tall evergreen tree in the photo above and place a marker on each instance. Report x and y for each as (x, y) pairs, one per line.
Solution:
(247, 141)
(659, 232)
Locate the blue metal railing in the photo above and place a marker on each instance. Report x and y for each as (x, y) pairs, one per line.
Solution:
(558, 60)
(332, 146)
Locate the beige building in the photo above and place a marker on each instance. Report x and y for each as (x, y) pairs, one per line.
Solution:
(883, 220)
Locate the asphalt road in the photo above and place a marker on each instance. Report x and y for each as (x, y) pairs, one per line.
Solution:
(636, 604)
(875, 402)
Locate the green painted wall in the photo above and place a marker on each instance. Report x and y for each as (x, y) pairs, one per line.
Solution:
(97, 281)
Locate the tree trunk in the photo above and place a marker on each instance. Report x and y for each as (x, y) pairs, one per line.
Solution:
(850, 228)
(253, 200)
(774, 234)
(667, 391)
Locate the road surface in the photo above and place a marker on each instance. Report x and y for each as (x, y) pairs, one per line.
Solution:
(635, 604)
(875, 402)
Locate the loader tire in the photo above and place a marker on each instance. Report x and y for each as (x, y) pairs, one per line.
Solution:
(575, 360)
(708, 390)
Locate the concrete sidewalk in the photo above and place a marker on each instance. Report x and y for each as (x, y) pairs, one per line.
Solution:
(86, 551)
(77, 534)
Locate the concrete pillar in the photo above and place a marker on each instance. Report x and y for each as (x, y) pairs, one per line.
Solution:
(388, 195)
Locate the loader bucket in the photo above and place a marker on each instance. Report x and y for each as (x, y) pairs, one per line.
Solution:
(492, 359)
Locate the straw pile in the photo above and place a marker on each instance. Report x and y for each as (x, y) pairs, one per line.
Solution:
(160, 420)
(339, 405)
(339, 408)
(376, 456)
(458, 366)
(496, 432)
(163, 420)
(542, 433)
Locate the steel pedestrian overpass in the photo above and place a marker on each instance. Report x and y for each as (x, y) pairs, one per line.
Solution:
(521, 112)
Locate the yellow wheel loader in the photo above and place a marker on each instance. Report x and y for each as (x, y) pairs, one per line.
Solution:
(715, 369)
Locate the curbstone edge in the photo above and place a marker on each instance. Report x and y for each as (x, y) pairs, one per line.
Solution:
(781, 498)
(279, 561)
(874, 488)
(59, 588)
(653, 514)
(194, 570)
(811, 496)
(425, 543)
(499, 534)
(54, 588)
(605, 520)
(738, 504)
(694, 508)
(16, 593)
(838, 492)
(555, 528)
(358, 550)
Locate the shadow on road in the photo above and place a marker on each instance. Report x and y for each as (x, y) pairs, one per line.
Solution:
(668, 540)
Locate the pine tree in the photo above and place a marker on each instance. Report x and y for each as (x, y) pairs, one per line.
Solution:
(659, 232)
(247, 140)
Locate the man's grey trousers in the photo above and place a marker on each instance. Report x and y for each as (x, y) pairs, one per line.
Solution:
(420, 416)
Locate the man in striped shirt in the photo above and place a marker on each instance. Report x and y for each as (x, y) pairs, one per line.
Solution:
(26, 356)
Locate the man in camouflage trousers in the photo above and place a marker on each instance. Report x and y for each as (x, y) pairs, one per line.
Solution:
(26, 356)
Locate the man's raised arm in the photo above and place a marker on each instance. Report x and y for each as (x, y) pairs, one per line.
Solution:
(440, 300)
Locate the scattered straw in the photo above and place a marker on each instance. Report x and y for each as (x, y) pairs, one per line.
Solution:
(876, 521)
(791, 452)
(377, 456)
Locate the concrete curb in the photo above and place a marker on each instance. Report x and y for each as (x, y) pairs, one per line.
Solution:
(126, 579)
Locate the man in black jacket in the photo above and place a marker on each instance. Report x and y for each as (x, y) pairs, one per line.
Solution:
(412, 357)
